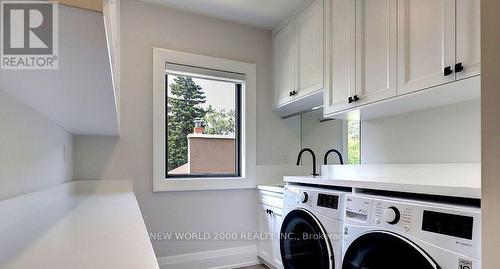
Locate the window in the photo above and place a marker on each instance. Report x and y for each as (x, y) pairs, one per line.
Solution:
(203, 122)
(203, 116)
(353, 142)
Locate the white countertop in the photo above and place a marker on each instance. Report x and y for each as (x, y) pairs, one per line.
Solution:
(271, 188)
(79, 225)
(456, 180)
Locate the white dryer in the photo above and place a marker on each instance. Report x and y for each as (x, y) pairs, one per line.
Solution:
(312, 228)
(389, 233)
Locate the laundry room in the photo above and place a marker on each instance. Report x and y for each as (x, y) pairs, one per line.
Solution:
(249, 134)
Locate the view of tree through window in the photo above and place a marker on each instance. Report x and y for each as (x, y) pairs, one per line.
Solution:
(202, 120)
(353, 142)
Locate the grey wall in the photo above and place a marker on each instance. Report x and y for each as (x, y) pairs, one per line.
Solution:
(144, 26)
(490, 112)
(447, 134)
(31, 150)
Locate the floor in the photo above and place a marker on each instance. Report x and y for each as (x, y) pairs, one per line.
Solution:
(259, 266)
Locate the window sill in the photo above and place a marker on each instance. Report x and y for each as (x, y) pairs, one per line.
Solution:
(198, 184)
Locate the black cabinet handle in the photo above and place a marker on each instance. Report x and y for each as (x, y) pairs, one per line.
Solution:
(267, 211)
(350, 100)
(290, 93)
(356, 98)
(448, 71)
(294, 92)
(459, 67)
(270, 212)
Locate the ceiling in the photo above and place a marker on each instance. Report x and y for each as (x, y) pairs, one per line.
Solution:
(258, 13)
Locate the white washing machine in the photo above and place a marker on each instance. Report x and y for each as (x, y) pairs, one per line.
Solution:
(387, 233)
(312, 228)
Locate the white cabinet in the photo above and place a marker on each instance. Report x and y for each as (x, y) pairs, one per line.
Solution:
(468, 20)
(266, 244)
(341, 64)
(270, 214)
(309, 48)
(111, 14)
(375, 50)
(361, 38)
(381, 50)
(439, 42)
(284, 64)
(298, 57)
(80, 95)
(426, 43)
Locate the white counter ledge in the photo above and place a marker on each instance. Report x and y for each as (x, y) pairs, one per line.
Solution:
(79, 225)
(271, 188)
(456, 180)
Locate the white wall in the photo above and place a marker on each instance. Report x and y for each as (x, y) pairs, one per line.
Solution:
(490, 113)
(447, 134)
(31, 150)
(144, 26)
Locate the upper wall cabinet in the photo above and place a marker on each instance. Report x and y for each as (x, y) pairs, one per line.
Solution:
(426, 43)
(380, 50)
(284, 64)
(80, 95)
(361, 38)
(111, 14)
(438, 42)
(298, 56)
(309, 47)
(375, 50)
(468, 31)
(341, 76)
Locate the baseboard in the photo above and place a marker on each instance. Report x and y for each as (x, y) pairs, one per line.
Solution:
(221, 259)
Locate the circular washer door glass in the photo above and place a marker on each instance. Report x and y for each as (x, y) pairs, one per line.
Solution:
(303, 243)
(381, 250)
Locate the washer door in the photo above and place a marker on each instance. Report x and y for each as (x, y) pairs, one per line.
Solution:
(304, 242)
(383, 250)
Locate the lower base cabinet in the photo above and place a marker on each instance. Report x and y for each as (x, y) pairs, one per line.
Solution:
(270, 214)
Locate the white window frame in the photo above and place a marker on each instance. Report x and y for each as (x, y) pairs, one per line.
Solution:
(247, 178)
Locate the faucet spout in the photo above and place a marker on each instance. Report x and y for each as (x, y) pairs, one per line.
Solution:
(325, 161)
(313, 158)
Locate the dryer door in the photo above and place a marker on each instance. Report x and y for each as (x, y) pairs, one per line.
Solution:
(384, 250)
(304, 242)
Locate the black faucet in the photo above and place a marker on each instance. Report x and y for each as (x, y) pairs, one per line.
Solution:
(313, 157)
(325, 161)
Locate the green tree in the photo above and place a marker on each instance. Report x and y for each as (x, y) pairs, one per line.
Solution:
(353, 142)
(220, 122)
(183, 107)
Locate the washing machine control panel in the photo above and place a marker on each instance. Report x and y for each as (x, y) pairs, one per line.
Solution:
(448, 226)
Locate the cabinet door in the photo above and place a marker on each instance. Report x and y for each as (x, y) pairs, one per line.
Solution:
(468, 37)
(309, 49)
(341, 59)
(265, 247)
(376, 50)
(284, 64)
(426, 35)
(277, 220)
